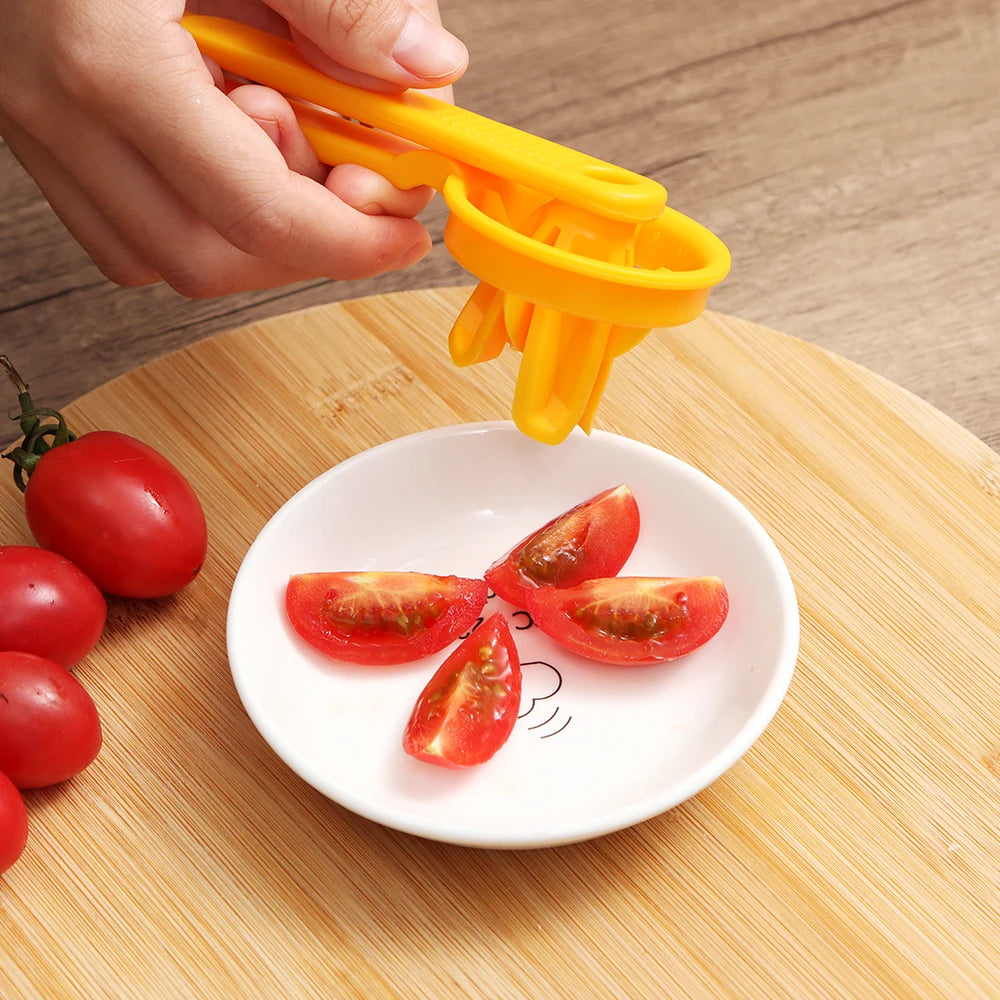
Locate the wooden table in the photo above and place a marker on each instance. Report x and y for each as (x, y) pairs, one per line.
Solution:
(847, 155)
(851, 853)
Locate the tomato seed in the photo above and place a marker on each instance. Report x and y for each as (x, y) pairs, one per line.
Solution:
(548, 563)
(632, 624)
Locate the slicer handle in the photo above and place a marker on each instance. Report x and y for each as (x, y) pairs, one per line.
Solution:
(339, 140)
(572, 177)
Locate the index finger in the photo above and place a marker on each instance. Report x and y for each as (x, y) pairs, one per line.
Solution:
(224, 166)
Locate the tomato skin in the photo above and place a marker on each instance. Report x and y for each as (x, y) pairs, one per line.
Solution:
(13, 823)
(380, 618)
(592, 539)
(49, 727)
(120, 511)
(48, 606)
(467, 710)
(632, 619)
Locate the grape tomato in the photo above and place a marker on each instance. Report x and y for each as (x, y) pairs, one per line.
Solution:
(48, 606)
(121, 512)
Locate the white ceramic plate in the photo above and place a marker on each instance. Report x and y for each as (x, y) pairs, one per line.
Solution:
(597, 748)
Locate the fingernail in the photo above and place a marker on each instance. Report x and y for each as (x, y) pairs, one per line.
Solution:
(425, 49)
(271, 128)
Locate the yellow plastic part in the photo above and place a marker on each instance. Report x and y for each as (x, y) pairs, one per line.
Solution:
(577, 258)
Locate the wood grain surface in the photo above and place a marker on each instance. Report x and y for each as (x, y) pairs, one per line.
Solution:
(845, 152)
(852, 853)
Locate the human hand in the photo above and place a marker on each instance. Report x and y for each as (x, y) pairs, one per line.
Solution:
(160, 174)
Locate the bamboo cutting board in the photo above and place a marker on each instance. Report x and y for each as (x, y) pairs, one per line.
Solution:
(853, 852)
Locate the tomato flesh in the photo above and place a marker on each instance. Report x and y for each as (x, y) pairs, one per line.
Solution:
(467, 710)
(381, 618)
(120, 511)
(49, 726)
(632, 619)
(592, 539)
(13, 823)
(49, 606)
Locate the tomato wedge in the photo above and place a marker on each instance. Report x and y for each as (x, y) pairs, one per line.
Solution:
(592, 539)
(632, 619)
(382, 617)
(467, 711)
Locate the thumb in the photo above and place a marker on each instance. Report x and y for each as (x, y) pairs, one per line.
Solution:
(382, 44)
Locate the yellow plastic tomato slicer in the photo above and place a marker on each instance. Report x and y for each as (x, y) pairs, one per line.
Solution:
(577, 258)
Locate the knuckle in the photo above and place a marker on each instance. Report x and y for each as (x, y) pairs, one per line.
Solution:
(356, 20)
(129, 273)
(201, 273)
(195, 273)
(191, 284)
(266, 229)
(81, 69)
(350, 15)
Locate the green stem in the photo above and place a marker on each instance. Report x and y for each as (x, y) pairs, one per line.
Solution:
(43, 429)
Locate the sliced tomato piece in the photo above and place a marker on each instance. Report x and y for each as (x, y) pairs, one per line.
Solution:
(468, 709)
(593, 539)
(632, 619)
(381, 618)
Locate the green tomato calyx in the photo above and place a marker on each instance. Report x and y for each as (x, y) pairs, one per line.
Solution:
(43, 429)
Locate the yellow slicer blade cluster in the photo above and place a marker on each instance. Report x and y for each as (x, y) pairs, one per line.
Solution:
(577, 259)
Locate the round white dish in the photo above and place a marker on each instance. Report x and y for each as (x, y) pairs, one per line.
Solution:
(596, 748)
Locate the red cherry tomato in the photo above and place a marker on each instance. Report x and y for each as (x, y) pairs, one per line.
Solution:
(48, 606)
(13, 823)
(49, 727)
(120, 511)
(593, 539)
(107, 502)
(467, 711)
(632, 619)
(381, 618)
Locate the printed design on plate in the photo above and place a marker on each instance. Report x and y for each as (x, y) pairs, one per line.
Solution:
(545, 678)
(542, 680)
